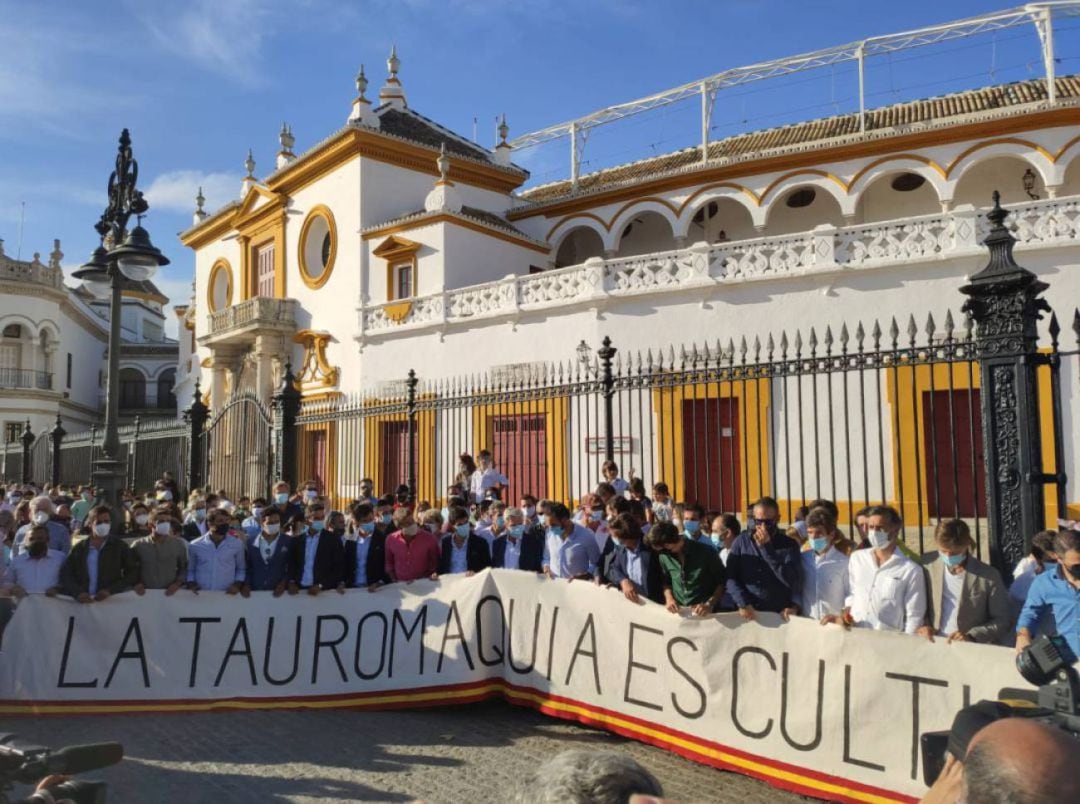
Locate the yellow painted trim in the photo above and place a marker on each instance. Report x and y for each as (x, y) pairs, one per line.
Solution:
(425, 450)
(400, 311)
(744, 190)
(464, 223)
(999, 141)
(221, 265)
(274, 232)
(305, 464)
(316, 373)
(805, 172)
(896, 158)
(573, 217)
(316, 212)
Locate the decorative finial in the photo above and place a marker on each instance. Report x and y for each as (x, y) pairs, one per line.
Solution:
(249, 164)
(57, 255)
(997, 215)
(200, 201)
(361, 83)
(444, 164)
(504, 129)
(393, 64)
(286, 138)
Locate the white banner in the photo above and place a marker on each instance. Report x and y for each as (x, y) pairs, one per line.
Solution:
(809, 708)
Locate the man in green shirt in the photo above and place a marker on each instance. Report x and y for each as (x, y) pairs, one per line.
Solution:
(693, 572)
(81, 507)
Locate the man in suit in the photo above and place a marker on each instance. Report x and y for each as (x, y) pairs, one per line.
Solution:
(462, 550)
(634, 567)
(968, 601)
(317, 556)
(365, 550)
(196, 527)
(519, 547)
(100, 565)
(268, 556)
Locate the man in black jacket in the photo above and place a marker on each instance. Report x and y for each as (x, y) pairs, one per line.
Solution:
(318, 557)
(461, 549)
(634, 567)
(100, 565)
(519, 547)
(365, 550)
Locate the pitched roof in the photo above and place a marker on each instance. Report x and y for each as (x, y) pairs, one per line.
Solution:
(481, 216)
(752, 143)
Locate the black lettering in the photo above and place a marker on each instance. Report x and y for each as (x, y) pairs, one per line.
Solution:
(848, 758)
(692, 715)
(510, 645)
(810, 746)
(551, 642)
(453, 616)
(139, 653)
(332, 644)
(589, 629)
(382, 646)
(500, 649)
(915, 682)
(420, 622)
(278, 682)
(757, 735)
(62, 681)
(195, 643)
(241, 630)
(631, 665)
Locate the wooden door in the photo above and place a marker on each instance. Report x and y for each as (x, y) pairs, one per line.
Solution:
(712, 466)
(394, 445)
(955, 477)
(519, 446)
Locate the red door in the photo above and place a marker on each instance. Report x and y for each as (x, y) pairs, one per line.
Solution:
(955, 477)
(394, 444)
(520, 451)
(711, 466)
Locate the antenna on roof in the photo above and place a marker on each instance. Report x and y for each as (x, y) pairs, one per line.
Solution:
(22, 220)
(474, 129)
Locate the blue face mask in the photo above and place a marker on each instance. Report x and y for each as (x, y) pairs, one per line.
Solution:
(596, 516)
(556, 530)
(386, 519)
(819, 543)
(954, 560)
(517, 530)
(691, 526)
(499, 521)
(318, 525)
(716, 539)
(281, 497)
(367, 527)
(462, 529)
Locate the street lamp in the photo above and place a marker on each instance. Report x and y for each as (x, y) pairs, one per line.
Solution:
(121, 254)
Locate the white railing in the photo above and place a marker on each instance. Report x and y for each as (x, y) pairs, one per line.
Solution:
(35, 271)
(823, 250)
(253, 313)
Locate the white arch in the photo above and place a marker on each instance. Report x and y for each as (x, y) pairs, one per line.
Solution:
(567, 227)
(628, 214)
(163, 369)
(892, 167)
(136, 367)
(1050, 173)
(757, 214)
(781, 191)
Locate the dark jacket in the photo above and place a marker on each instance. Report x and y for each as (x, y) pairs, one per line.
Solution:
(767, 577)
(477, 555)
(329, 568)
(654, 576)
(263, 575)
(603, 569)
(118, 568)
(532, 551)
(376, 560)
(191, 531)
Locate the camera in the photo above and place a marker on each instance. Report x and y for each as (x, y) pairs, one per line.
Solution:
(25, 763)
(1048, 664)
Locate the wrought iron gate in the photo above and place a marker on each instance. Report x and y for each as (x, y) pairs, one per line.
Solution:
(237, 447)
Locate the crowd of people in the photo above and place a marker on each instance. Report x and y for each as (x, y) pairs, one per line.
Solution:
(58, 541)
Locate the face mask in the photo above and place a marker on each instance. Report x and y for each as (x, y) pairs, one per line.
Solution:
(281, 497)
(499, 521)
(102, 529)
(200, 514)
(716, 538)
(530, 512)
(691, 526)
(596, 516)
(166, 496)
(556, 530)
(819, 543)
(128, 504)
(38, 549)
(410, 530)
(142, 519)
(221, 530)
(462, 529)
(257, 512)
(367, 528)
(387, 519)
(318, 525)
(310, 494)
(16, 498)
(517, 530)
(432, 527)
(954, 560)
(85, 496)
(40, 518)
(544, 520)
(879, 539)
(162, 528)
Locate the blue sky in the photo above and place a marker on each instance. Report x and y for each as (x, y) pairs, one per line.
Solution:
(200, 81)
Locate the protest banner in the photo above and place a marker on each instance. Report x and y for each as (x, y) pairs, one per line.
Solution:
(817, 710)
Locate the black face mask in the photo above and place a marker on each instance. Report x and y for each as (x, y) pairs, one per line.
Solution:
(38, 549)
(221, 530)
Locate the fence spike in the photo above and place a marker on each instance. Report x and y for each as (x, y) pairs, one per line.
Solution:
(828, 340)
(894, 331)
(757, 349)
(671, 356)
(930, 326)
(912, 328)
(1054, 329)
(844, 336)
(783, 342)
(1076, 324)
(730, 350)
(742, 348)
(694, 355)
(798, 342)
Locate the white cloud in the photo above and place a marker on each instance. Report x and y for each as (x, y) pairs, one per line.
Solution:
(175, 190)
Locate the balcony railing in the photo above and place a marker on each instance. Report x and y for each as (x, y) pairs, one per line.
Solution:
(826, 249)
(254, 314)
(26, 378)
(34, 272)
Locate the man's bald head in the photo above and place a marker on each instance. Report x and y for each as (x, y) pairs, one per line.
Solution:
(1020, 760)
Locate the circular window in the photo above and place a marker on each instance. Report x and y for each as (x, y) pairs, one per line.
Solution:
(906, 182)
(220, 287)
(318, 247)
(801, 198)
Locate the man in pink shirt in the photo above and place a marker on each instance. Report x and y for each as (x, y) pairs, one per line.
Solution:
(411, 552)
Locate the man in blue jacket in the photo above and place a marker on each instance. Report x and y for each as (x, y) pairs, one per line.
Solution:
(462, 550)
(268, 556)
(763, 567)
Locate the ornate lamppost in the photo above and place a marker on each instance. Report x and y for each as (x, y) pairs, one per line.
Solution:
(122, 254)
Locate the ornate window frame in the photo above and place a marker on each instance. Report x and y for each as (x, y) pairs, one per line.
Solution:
(396, 251)
(221, 264)
(316, 212)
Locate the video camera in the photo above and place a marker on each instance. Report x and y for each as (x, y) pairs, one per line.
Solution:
(24, 763)
(1047, 663)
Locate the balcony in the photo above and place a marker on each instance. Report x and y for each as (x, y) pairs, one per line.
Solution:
(25, 379)
(821, 251)
(240, 323)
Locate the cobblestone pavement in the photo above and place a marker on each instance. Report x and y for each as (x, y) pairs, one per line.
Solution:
(475, 753)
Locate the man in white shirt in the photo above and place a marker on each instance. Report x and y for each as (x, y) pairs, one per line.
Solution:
(485, 477)
(570, 550)
(35, 571)
(41, 513)
(887, 589)
(824, 569)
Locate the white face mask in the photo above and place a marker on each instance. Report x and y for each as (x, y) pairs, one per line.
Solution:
(162, 529)
(142, 519)
(878, 538)
(40, 518)
(102, 529)
(272, 528)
